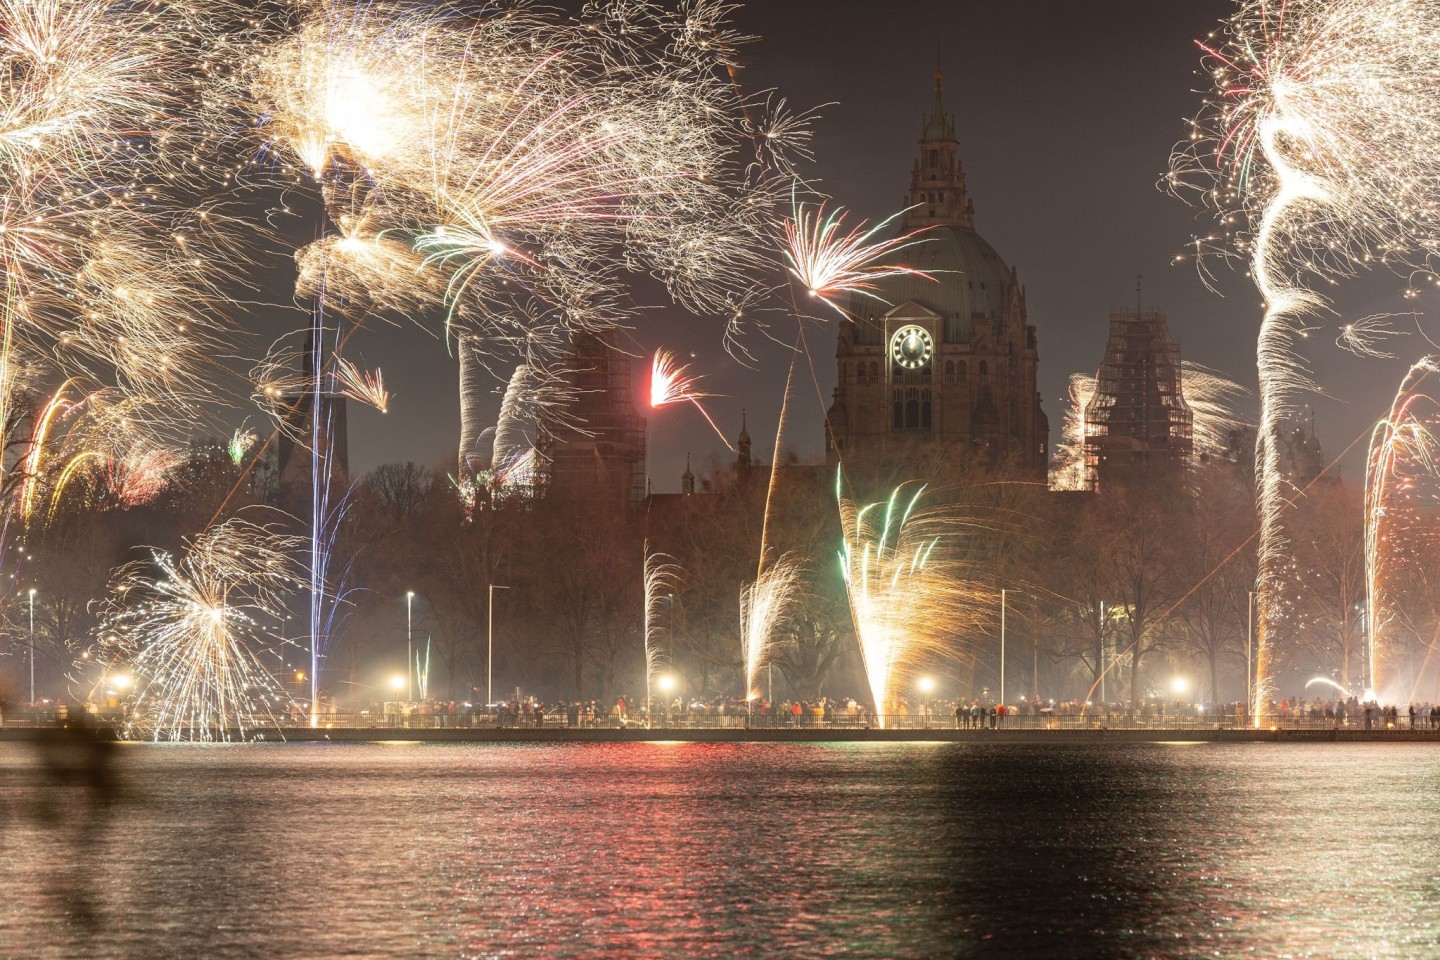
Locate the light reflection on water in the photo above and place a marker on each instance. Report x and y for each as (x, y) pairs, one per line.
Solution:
(628, 850)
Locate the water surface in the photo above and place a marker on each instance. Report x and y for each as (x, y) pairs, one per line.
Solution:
(764, 850)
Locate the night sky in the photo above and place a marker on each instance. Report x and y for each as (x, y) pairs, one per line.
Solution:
(1066, 114)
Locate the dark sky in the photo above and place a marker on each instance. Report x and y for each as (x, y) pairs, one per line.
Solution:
(1066, 113)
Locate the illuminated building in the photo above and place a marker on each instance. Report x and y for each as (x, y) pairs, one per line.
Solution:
(943, 367)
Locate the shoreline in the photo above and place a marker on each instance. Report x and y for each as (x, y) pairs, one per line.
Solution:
(28, 734)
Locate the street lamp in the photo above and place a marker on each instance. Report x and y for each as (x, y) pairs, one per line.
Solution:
(397, 683)
(1002, 644)
(1249, 639)
(32, 645)
(490, 643)
(1179, 685)
(409, 644)
(666, 683)
(926, 686)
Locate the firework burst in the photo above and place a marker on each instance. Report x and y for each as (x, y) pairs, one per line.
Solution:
(671, 382)
(189, 630)
(362, 386)
(828, 261)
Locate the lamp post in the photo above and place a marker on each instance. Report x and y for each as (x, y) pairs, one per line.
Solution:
(32, 645)
(1249, 639)
(927, 687)
(1002, 644)
(409, 645)
(1102, 651)
(490, 643)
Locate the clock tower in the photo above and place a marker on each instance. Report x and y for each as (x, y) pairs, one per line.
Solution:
(945, 368)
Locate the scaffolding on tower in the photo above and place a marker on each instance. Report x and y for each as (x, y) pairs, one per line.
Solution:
(1137, 423)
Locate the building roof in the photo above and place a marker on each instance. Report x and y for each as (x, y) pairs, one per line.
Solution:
(970, 284)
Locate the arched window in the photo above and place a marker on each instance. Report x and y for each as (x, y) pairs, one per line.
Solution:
(934, 158)
(874, 372)
(925, 410)
(964, 371)
(949, 371)
(912, 414)
(984, 370)
(899, 414)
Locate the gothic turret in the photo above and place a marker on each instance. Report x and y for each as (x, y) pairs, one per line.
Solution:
(687, 479)
(937, 183)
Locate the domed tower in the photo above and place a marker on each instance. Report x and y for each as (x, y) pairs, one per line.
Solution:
(944, 367)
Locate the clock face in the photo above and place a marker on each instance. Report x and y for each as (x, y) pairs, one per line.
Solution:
(911, 347)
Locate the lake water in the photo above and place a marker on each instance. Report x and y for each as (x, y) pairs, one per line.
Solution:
(762, 850)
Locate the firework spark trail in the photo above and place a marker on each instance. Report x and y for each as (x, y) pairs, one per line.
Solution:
(242, 441)
(1324, 135)
(343, 94)
(1361, 337)
(898, 596)
(913, 592)
(102, 437)
(1403, 470)
(362, 386)
(765, 606)
(828, 260)
(1326, 681)
(189, 631)
(516, 416)
(671, 382)
(662, 582)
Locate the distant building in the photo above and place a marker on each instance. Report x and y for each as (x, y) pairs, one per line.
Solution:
(597, 452)
(947, 366)
(1137, 423)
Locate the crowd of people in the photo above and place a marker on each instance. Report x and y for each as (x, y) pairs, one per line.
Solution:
(965, 714)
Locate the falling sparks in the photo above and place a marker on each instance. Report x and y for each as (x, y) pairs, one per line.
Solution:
(1363, 337)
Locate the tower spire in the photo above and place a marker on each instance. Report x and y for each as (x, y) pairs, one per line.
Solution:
(937, 183)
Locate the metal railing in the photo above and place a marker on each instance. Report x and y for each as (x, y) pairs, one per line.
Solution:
(1185, 720)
